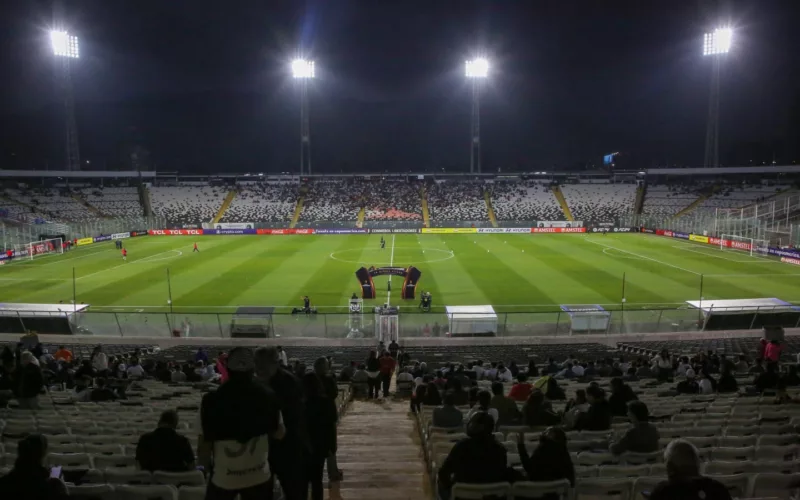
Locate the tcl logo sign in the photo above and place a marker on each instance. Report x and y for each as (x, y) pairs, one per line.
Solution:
(175, 232)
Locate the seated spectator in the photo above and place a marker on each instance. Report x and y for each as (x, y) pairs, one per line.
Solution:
(346, 375)
(99, 360)
(532, 370)
(177, 375)
(662, 366)
(536, 413)
(360, 375)
(432, 396)
(521, 390)
(507, 411)
(135, 370)
(82, 392)
(165, 449)
(549, 386)
(101, 392)
(590, 371)
(642, 437)
(484, 405)
(741, 365)
(769, 379)
(503, 373)
(460, 396)
(30, 479)
(645, 371)
(727, 382)
(478, 459)
(757, 368)
(448, 415)
(707, 383)
(688, 385)
(684, 481)
(578, 370)
(404, 376)
(598, 417)
(473, 395)
(621, 394)
(513, 368)
(567, 372)
(63, 354)
(550, 460)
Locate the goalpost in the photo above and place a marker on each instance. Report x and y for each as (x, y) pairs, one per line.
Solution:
(36, 249)
(753, 246)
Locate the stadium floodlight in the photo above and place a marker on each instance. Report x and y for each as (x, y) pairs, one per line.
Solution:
(64, 44)
(716, 44)
(302, 68)
(477, 68)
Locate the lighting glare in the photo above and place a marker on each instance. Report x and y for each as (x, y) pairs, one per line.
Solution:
(302, 68)
(64, 44)
(718, 42)
(477, 68)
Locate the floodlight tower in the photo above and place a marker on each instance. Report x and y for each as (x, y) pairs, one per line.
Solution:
(715, 45)
(303, 71)
(476, 71)
(66, 50)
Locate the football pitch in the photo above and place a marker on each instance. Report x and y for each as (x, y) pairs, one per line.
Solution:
(512, 272)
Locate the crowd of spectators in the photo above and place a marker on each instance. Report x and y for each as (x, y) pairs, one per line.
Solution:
(457, 201)
(391, 200)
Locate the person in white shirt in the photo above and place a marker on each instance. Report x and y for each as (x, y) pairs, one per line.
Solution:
(405, 376)
(578, 370)
(503, 373)
(683, 367)
(478, 369)
(135, 370)
(484, 400)
(99, 359)
(282, 357)
(706, 385)
(662, 365)
(489, 372)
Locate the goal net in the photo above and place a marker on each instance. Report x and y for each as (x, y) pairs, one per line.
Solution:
(752, 246)
(36, 249)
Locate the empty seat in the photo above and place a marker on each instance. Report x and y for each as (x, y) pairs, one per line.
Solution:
(463, 491)
(529, 489)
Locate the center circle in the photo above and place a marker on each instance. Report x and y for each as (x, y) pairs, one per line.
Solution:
(403, 256)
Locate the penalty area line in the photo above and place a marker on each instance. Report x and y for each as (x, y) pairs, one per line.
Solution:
(645, 257)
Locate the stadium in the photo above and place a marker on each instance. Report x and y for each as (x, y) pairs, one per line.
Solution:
(384, 335)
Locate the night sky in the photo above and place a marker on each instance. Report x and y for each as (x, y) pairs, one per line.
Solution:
(203, 86)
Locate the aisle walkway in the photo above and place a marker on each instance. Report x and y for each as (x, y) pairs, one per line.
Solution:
(380, 453)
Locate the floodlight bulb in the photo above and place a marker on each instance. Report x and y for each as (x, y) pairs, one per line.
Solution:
(477, 68)
(718, 42)
(302, 68)
(64, 44)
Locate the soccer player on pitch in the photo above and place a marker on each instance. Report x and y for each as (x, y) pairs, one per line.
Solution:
(195, 247)
(383, 243)
(125, 254)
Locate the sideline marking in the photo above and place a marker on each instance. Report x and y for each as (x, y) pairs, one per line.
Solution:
(605, 251)
(391, 263)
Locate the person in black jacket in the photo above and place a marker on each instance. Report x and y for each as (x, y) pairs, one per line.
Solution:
(550, 460)
(432, 396)
(374, 371)
(727, 382)
(29, 381)
(478, 459)
(598, 417)
(769, 379)
(621, 394)
(29, 478)
(321, 420)
(535, 413)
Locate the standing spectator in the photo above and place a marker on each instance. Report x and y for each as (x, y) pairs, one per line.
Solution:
(321, 419)
(387, 365)
(222, 366)
(284, 358)
(478, 459)
(29, 381)
(29, 478)
(769, 379)
(99, 361)
(373, 372)
(684, 481)
(165, 449)
(201, 355)
(621, 394)
(550, 460)
(507, 411)
(236, 424)
(393, 348)
(521, 390)
(331, 391)
(447, 415)
(63, 354)
(7, 355)
(286, 455)
(642, 437)
(772, 350)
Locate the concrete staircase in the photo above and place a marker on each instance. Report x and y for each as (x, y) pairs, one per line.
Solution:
(638, 204)
(488, 198)
(89, 206)
(562, 201)
(361, 213)
(380, 454)
(426, 214)
(298, 209)
(224, 207)
(144, 199)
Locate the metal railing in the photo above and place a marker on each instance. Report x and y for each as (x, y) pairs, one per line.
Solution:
(339, 325)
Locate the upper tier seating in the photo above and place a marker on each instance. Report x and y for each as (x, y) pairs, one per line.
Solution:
(271, 202)
(666, 201)
(599, 202)
(53, 201)
(457, 201)
(330, 201)
(385, 200)
(16, 211)
(114, 201)
(187, 204)
(737, 197)
(525, 200)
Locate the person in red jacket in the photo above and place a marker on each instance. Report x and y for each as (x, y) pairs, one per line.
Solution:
(125, 254)
(521, 390)
(388, 364)
(9, 254)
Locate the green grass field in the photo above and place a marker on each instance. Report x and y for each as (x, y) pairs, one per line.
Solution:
(513, 272)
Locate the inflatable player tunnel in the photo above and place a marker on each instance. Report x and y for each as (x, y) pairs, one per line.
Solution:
(410, 274)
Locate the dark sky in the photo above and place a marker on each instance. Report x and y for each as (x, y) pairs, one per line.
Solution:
(203, 85)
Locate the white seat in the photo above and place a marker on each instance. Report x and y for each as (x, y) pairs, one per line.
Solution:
(114, 461)
(776, 452)
(189, 478)
(777, 439)
(589, 458)
(192, 493)
(156, 492)
(74, 461)
(733, 454)
(738, 484)
(529, 489)
(463, 491)
(632, 458)
(781, 466)
(128, 476)
(103, 449)
(620, 471)
(101, 491)
(620, 488)
(775, 485)
(727, 468)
